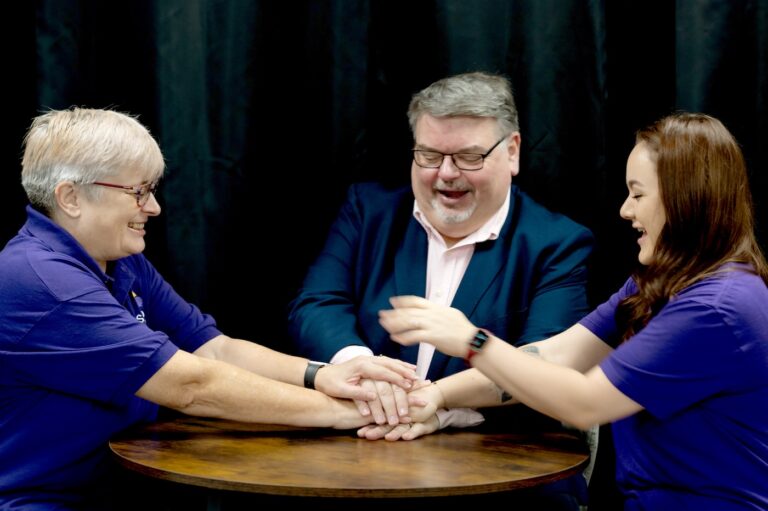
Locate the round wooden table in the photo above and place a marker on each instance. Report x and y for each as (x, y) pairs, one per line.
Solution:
(277, 460)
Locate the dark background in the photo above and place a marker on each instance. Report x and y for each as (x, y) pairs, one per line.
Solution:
(269, 109)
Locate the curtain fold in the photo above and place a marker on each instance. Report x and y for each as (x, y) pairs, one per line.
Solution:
(267, 111)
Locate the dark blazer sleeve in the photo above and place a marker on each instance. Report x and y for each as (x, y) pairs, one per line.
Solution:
(544, 272)
(559, 295)
(353, 276)
(529, 284)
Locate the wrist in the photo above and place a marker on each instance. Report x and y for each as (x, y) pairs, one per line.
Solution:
(439, 400)
(344, 414)
(310, 373)
(477, 344)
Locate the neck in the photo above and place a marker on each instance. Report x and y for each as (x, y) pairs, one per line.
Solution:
(449, 241)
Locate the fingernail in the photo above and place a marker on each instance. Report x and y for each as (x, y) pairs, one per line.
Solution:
(403, 411)
(365, 411)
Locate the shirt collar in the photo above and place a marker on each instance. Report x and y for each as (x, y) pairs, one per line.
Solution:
(488, 231)
(59, 240)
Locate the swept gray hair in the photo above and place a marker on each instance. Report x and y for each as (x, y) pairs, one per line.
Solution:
(472, 94)
(83, 145)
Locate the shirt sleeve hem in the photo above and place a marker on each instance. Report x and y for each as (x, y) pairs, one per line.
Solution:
(145, 371)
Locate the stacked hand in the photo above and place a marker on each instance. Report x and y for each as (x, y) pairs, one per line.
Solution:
(386, 401)
(412, 320)
(385, 390)
(390, 405)
(425, 399)
(346, 380)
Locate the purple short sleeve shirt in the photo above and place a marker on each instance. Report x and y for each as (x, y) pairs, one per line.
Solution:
(75, 346)
(700, 371)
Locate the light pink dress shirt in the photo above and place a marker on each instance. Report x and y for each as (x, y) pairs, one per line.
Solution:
(445, 269)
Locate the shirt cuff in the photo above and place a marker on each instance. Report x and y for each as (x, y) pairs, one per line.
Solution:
(459, 417)
(349, 353)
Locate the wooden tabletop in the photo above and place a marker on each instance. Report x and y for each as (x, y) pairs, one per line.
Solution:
(279, 460)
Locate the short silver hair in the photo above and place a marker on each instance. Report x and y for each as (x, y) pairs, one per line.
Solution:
(470, 94)
(83, 145)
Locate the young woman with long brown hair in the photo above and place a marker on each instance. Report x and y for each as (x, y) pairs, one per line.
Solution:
(677, 359)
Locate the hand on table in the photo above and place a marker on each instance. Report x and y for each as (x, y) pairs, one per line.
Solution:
(409, 431)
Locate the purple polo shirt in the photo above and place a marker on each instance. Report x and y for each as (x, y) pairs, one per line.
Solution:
(700, 371)
(75, 346)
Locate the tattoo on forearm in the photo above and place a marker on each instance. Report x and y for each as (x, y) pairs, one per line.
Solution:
(505, 396)
(531, 350)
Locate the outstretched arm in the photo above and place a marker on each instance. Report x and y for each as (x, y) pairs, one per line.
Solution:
(554, 385)
(338, 380)
(209, 388)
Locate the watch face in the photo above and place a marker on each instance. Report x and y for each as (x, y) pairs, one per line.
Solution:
(477, 343)
(478, 340)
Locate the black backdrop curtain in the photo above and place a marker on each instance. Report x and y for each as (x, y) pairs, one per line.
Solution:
(266, 110)
(269, 109)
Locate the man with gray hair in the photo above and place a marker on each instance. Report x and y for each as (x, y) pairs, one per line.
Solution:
(461, 235)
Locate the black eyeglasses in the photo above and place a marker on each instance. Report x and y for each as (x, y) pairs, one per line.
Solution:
(141, 192)
(462, 161)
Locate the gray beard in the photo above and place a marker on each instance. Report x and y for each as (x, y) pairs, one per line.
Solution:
(450, 216)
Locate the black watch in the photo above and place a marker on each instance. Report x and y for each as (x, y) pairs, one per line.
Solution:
(310, 373)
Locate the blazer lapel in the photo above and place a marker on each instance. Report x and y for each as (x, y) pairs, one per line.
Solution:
(488, 260)
(411, 273)
(486, 263)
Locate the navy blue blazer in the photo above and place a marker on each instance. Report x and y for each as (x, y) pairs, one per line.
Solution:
(528, 284)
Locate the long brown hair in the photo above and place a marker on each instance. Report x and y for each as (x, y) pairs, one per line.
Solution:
(704, 189)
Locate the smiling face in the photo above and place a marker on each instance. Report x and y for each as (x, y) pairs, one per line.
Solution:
(457, 202)
(643, 206)
(112, 225)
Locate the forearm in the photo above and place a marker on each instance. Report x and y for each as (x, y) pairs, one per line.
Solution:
(256, 359)
(340, 380)
(471, 389)
(560, 392)
(209, 388)
(232, 393)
